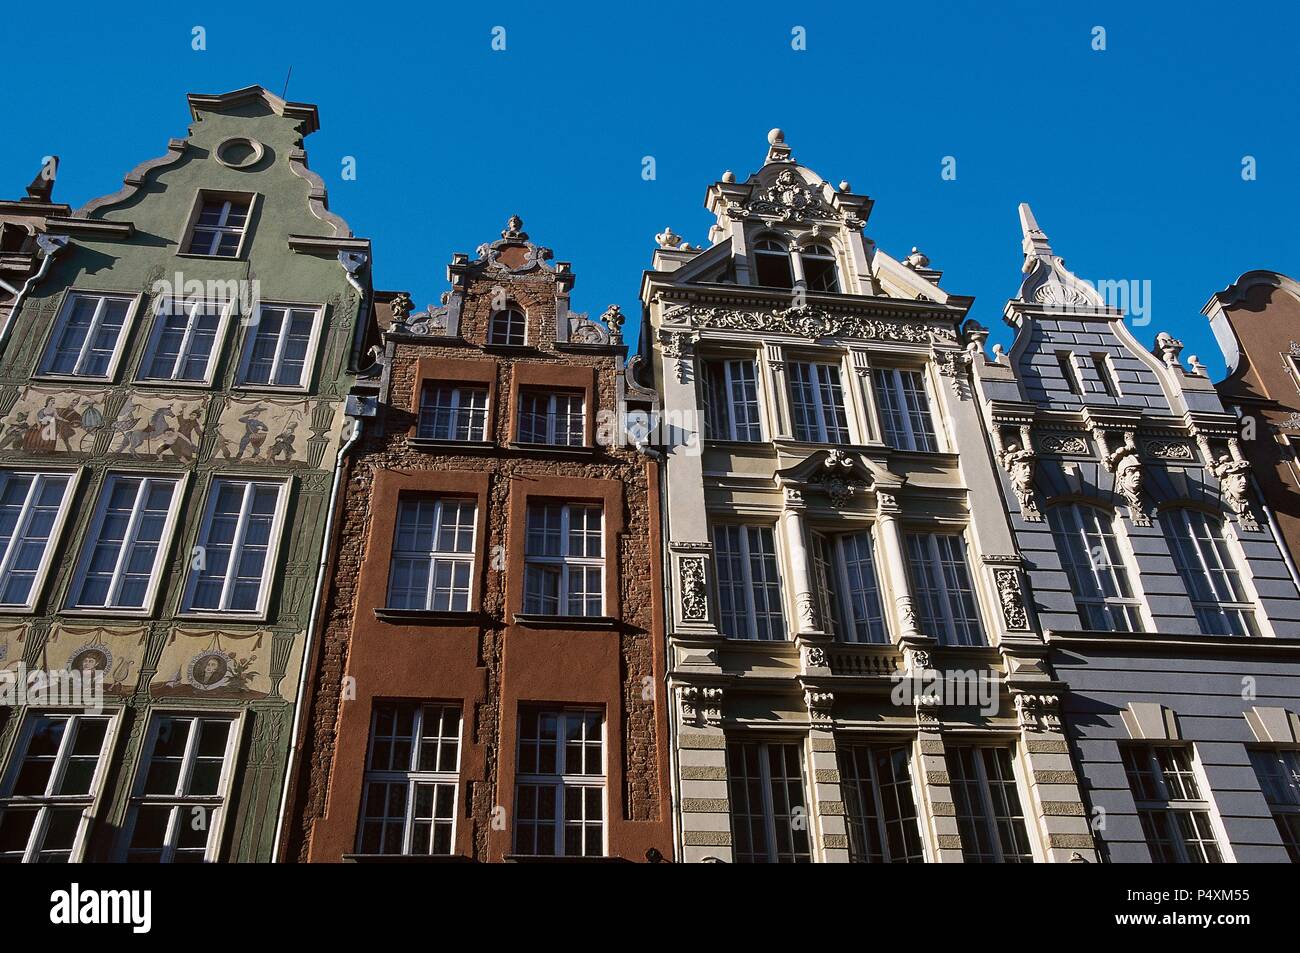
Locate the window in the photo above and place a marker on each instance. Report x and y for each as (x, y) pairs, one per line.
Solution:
(124, 548)
(817, 403)
(1278, 770)
(564, 560)
(453, 412)
(1065, 362)
(772, 265)
(1209, 572)
(749, 588)
(560, 796)
(280, 347)
(509, 326)
(989, 816)
(219, 228)
(877, 785)
(1092, 559)
(411, 781)
(433, 554)
(1175, 819)
(904, 409)
(1101, 365)
(769, 815)
(819, 272)
(232, 568)
(49, 799)
(731, 406)
(552, 417)
(179, 798)
(941, 585)
(88, 336)
(32, 508)
(846, 574)
(183, 345)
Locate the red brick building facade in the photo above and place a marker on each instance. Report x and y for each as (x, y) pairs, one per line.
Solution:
(487, 681)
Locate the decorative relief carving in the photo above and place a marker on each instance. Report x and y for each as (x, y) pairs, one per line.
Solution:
(1232, 470)
(676, 346)
(1018, 460)
(819, 707)
(787, 199)
(1011, 598)
(811, 322)
(701, 704)
(1038, 712)
(1168, 450)
(694, 589)
(1129, 475)
(814, 656)
(1063, 444)
(809, 616)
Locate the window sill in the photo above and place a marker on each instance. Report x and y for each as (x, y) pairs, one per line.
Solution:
(511, 348)
(192, 385)
(203, 257)
(434, 443)
(255, 389)
(556, 448)
(429, 616)
(406, 859)
(554, 859)
(534, 621)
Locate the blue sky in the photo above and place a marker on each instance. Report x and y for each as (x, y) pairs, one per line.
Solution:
(1131, 156)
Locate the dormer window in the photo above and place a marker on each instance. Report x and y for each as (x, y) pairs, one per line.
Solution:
(772, 265)
(819, 271)
(509, 326)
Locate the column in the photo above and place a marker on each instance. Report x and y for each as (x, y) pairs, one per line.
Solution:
(702, 764)
(808, 618)
(890, 537)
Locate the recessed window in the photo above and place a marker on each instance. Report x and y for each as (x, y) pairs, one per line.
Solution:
(731, 404)
(219, 227)
(772, 264)
(1175, 817)
(819, 271)
(179, 800)
(183, 343)
(32, 508)
(1070, 373)
(433, 554)
(88, 336)
(876, 781)
(509, 326)
(769, 812)
(941, 586)
(124, 549)
(1105, 374)
(564, 560)
(749, 587)
(411, 780)
(1209, 572)
(904, 409)
(232, 568)
(560, 794)
(280, 347)
(817, 403)
(1278, 771)
(453, 412)
(552, 417)
(990, 820)
(1094, 563)
(846, 572)
(50, 797)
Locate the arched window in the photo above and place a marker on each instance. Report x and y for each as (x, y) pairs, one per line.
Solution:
(509, 326)
(772, 264)
(819, 271)
(1091, 557)
(1209, 572)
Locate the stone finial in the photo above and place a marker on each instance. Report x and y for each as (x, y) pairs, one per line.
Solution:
(778, 150)
(515, 229)
(728, 176)
(1035, 241)
(668, 238)
(844, 186)
(917, 259)
(1169, 347)
(613, 318)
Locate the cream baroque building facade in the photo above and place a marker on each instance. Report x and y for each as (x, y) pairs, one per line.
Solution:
(855, 673)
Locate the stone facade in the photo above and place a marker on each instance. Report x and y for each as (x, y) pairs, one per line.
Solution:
(824, 457)
(1154, 570)
(490, 660)
(171, 402)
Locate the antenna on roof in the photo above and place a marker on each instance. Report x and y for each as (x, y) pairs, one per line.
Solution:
(285, 94)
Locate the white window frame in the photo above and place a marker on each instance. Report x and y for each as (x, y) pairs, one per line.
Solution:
(564, 561)
(831, 562)
(435, 556)
(61, 323)
(726, 414)
(510, 308)
(1176, 519)
(413, 777)
(309, 359)
(91, 802)
(781, 250)
(881, 821)
(822, 251)
(476, 417)
(746, 581)
(944, 594)
(891, 378)
(773, 851)
(1084, 519)
(552, 417)
(93, 529)
(219, 803)
(822, 415)
(9, 551)
(192, 308)
(563, 781)
(1277, 768)
(988, 815)
(217, 195)
(237, 545)
(1166, 805)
